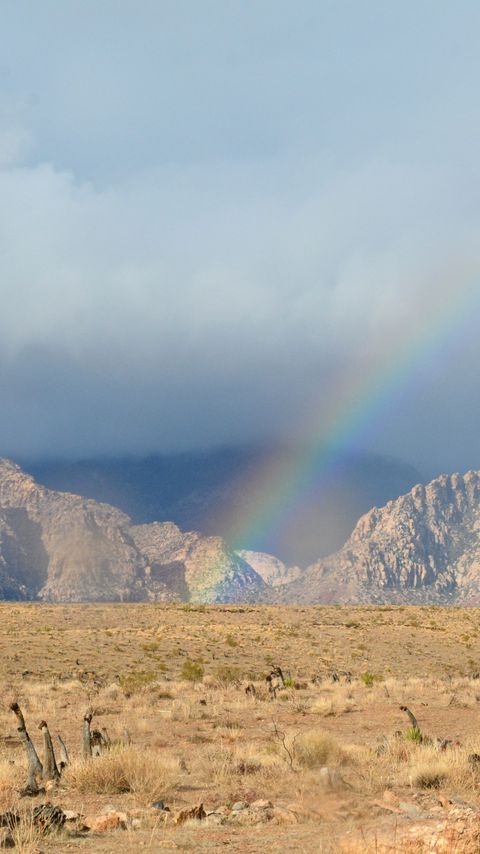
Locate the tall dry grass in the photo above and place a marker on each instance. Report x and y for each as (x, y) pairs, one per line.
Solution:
(146, 774)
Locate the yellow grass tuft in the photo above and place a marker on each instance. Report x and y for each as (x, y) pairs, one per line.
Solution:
(148, 775)
(314, 748)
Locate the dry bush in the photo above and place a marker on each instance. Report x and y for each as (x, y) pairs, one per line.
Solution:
(230, 734)
(225, 766)
(26, 837)
(256, 758)
(333, 705)
(314, 748)
(428, 774)
(146, 774)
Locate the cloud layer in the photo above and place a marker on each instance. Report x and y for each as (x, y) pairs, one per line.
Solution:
(208, 220)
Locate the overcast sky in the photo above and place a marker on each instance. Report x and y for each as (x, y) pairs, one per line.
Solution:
(212, 212)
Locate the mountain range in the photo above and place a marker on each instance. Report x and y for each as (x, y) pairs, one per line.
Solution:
(423, 547)
(214, 491)
(60, 547)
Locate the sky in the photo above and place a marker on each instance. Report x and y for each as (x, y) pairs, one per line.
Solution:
(213, 214)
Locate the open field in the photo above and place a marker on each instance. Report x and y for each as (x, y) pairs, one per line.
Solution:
(168, 684)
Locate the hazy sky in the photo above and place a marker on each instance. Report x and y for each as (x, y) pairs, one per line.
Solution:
(211, 213)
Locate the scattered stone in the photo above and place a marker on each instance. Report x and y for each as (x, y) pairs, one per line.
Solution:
(71, 815)
(252, 816)
(160, 805)
(194, 813)
(458, 832)
(108, 821)
(215, 818)
(222, 810)
(284, 816)
(240, 805)
(412, 810)
(261, 805)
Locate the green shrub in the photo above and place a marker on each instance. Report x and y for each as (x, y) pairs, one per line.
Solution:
(367, 678)
(192, 671)
(414, 734)
(136, 680)
(153, 646)
(227, 674)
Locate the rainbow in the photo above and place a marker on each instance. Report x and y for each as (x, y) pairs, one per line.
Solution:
(362, 402)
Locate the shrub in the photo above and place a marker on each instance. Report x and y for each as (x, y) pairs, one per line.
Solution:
(227, 675)
(136, 680)
(315, 748)
(367, 678)
(146, 774)
(152, 646)
(414, 734)
(192, 671)
(428, 775)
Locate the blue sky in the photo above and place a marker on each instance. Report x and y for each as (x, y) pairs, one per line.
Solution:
(210, 211)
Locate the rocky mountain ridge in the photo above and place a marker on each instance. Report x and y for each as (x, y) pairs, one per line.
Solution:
(424, 547)
(207, 490)
(59, 547)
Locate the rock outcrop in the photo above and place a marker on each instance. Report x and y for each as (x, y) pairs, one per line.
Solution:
(422, 548)
(59, 547)
(273, 571)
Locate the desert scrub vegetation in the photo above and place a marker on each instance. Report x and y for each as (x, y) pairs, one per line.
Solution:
(137, 680)
(227, 674)
(191, 733)
(147, 774)
(315, 748)
(192, 671)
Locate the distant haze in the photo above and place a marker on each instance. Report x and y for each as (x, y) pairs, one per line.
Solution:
(211, 212)
(210, 492)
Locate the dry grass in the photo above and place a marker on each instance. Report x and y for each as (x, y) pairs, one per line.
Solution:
(146, 774)
(315, 747)
(207, 741)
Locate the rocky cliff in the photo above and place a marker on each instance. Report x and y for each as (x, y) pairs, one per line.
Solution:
(273, 571)
(422, 548)
(59, 547)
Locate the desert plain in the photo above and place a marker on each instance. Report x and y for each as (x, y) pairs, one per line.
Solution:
(330, 763)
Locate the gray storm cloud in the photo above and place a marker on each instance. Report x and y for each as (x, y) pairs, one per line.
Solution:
(206, 221)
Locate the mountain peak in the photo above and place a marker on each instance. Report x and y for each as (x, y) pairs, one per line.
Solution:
(423, 547)
(59, 547)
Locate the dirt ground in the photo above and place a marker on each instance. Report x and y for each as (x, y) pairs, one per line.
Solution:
(336, 763)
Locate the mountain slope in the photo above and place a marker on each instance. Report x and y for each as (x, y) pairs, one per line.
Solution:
(423, 547)
(270, 568)
(210, 491)
(59, 547)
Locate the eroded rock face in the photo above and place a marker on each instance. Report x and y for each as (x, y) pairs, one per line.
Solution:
(422, 548)
(202, 565)
(59, 547)
(270, 568)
